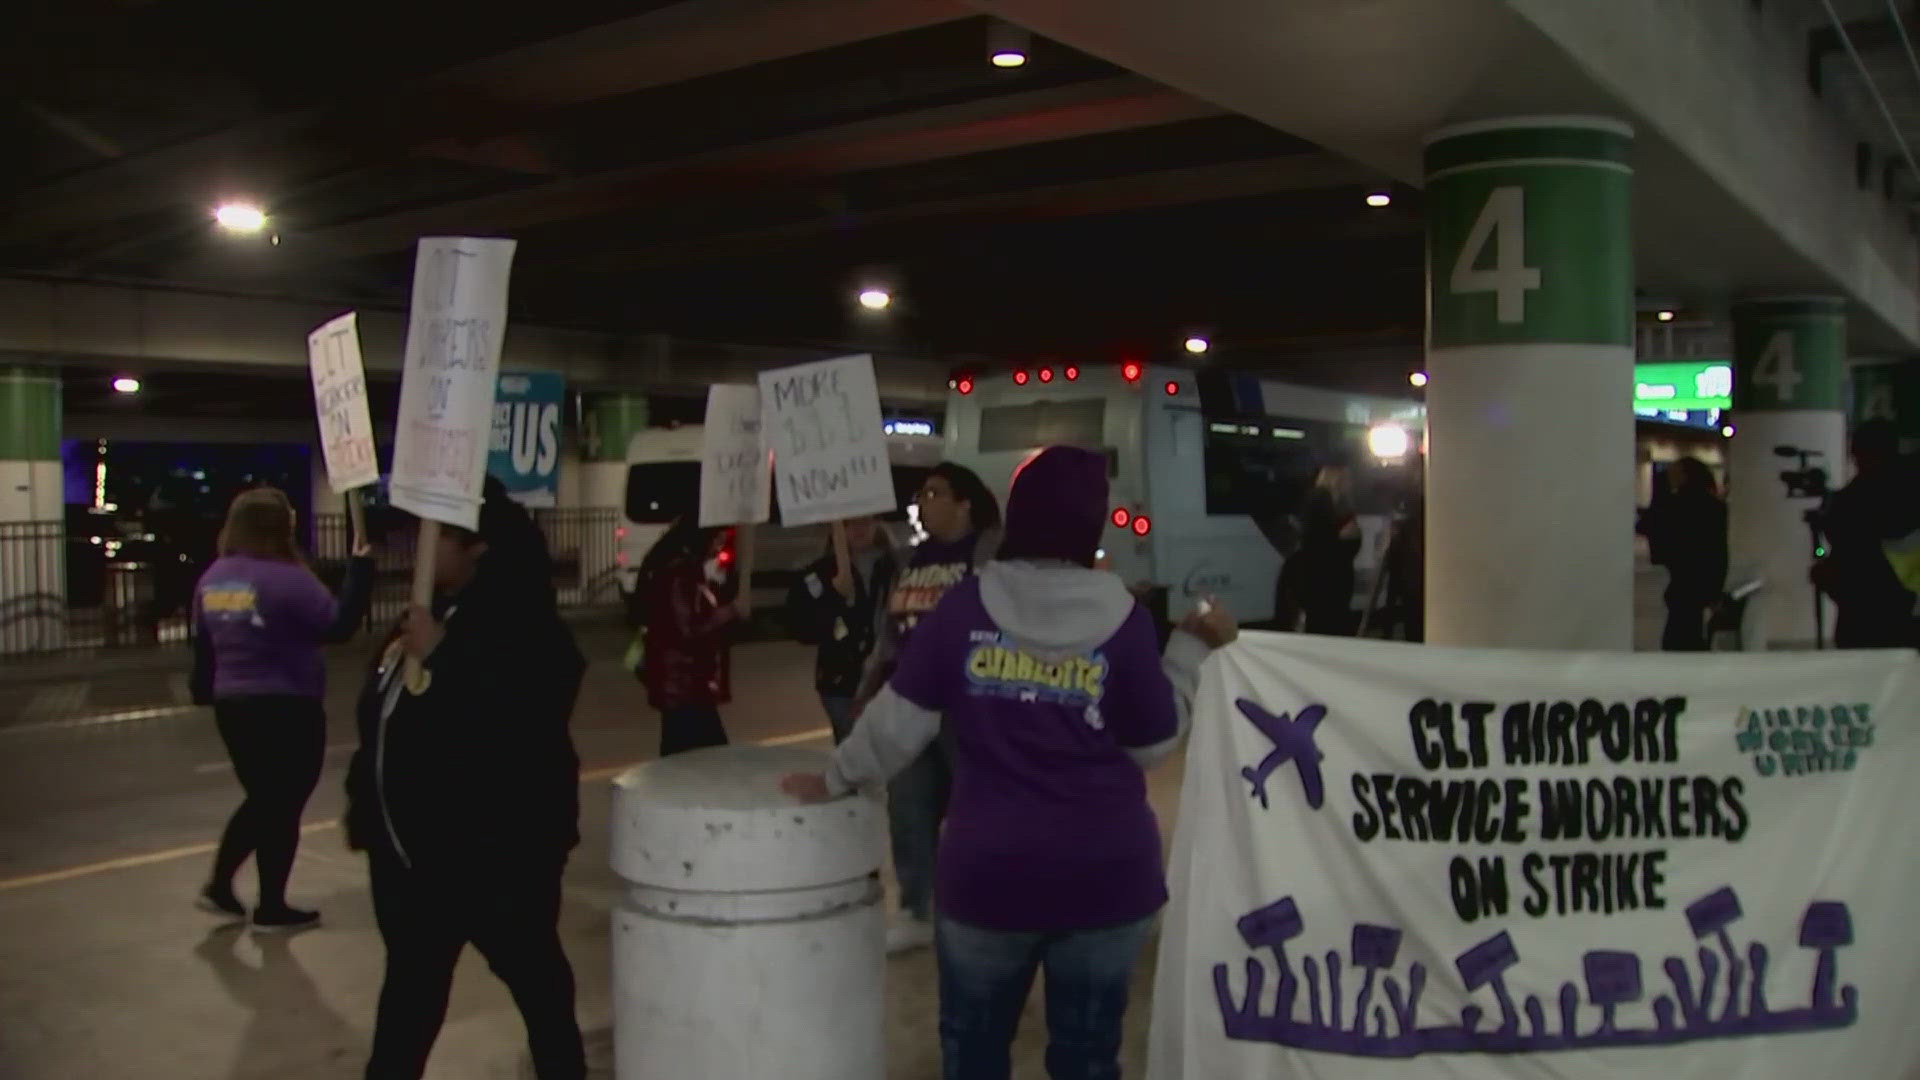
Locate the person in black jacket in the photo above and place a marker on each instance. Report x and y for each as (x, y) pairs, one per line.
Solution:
(1319, 576)
(1881, 502)
(840, 613)
(1687, 533)
(465, 796)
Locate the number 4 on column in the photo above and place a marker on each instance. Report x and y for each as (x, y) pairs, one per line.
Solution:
(1503, 223)
(1778, 369)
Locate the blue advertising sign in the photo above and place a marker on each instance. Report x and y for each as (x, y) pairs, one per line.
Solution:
(524, 451)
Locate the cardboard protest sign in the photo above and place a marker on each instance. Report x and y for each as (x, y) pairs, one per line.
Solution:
(1399, 860)
(523, 449)
(340, 403)
(822, 422)
(455, 329)
(733, 459)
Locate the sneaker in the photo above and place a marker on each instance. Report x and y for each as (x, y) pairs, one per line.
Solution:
(284, 920)
(909, 934)
(220, 901)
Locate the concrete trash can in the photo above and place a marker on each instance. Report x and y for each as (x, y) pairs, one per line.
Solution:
(749, 941)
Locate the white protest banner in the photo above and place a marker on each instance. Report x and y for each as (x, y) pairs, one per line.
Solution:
(454, 332)
(1397, 861)
(822, 421)
(340, 402)
(733, 459)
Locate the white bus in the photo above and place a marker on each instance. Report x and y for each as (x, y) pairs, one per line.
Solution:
(1187, 483)
(663, 484)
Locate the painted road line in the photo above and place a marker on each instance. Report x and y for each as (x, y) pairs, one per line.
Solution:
(129, 862)
(211, 767)
(80, 722)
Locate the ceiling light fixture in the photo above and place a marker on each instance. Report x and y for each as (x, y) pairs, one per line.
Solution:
(875, 299)
(239, 217)
(1007, 45)
(1378, 199)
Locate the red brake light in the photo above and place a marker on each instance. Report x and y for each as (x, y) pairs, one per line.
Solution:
(1020, 377)
(1141, 526)
(1046, 374)
(1130, 371)
(725, 556)
(966, 386)
(620, 533)
(1173, 388)
(1121, 517)
(1072, 373)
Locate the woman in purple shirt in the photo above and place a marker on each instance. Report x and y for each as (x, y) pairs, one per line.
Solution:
(260, 619)
(1056, 701)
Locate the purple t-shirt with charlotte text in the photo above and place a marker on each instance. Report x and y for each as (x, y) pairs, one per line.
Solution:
(1049, 829)
(263, 619)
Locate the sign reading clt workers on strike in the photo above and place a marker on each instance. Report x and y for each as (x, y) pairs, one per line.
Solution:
(523, 451)
(733, 459)
(1399, 860)
(455, 329)
(822, 422)
(340, 403)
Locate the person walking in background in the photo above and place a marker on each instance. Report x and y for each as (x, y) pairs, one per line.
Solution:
(260, 618)
(962, 521)
(839, 613)
(690, 603)
(1687, 533)
(1319, 575)
(1048, 676)
(1880, 504)
(465, 797)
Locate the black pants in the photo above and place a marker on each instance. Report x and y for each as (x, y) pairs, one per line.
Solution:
(513, 919)
(277, 745)
(1686, 625)
(690, 727)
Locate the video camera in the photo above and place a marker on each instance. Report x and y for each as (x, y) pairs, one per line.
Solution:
(1807, 480)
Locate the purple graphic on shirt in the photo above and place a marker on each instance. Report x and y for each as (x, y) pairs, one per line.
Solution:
(1612, 979)
(1292, 741)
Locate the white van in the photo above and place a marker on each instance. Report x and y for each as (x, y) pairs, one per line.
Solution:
(663, 484)
(1187, 483)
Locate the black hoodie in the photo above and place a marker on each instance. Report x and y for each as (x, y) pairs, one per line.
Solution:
(479, 773)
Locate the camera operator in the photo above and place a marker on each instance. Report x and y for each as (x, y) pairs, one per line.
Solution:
(1881, 503)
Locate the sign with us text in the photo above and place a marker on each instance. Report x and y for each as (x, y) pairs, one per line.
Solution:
(455, 329)
(523, 449)
(822, 422)
(733, 459)
(1398, 860)
(340, 403)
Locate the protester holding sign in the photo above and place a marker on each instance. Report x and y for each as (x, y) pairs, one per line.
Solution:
(1045, 672)
(465, 797)
(690, 601)
(261, 617)
(835, 605)
(962, 520)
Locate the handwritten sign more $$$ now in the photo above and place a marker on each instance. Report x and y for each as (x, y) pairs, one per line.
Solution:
(340, 402)
(733, 459)
(822, 421)
(454, 332)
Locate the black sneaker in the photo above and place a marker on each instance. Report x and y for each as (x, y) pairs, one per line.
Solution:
(284, 920)
(220, 902)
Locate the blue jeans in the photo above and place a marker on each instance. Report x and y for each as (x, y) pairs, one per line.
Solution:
(916, 805)
(839, 716)
(985, 976)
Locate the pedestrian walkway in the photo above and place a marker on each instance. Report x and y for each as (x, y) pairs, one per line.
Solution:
(107, 970)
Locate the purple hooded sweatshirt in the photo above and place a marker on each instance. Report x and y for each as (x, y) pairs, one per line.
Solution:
(1047, 674)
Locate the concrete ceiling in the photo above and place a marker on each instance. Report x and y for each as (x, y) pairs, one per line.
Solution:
(724, 170)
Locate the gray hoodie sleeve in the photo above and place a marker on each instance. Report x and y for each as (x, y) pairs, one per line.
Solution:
(889, 735)
(1185, 653)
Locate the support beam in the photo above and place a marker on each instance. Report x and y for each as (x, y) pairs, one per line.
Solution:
(1001, 123)
(675, 43)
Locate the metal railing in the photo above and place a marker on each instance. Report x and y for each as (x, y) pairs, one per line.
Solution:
(64, 591)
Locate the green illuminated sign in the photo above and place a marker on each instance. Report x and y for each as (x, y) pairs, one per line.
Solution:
(1691, 386)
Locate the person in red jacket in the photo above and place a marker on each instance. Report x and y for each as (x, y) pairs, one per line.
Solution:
(689, 601)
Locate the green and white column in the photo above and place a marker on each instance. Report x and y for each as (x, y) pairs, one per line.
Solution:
(32, 520)
(1530, 394)
(1888, 390)
(1789, 390)
(610, 422)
